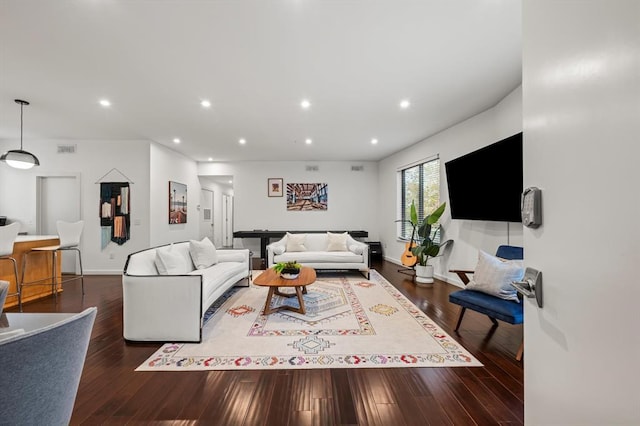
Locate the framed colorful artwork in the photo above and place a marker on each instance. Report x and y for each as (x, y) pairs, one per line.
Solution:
(274, 187)
(307, 196)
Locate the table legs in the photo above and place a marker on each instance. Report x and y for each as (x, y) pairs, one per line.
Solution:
(300, 290)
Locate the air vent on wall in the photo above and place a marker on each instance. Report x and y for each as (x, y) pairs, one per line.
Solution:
(312, 168)
(66, 149)
(357, 168)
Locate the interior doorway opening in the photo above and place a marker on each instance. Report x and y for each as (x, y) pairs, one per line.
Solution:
(219, 229)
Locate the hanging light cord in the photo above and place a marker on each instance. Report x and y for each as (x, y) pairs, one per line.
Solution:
(21, 113)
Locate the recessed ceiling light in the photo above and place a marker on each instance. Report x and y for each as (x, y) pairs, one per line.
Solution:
(205, 104)
(210, 159)
(404, 104)
(374, 141)
(242, 141)
(305, 104)
(105, 103)
(230, 181)
(308, 141)
(176, 140)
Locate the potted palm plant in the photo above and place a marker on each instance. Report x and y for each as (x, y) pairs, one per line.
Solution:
(288, 270)
(428, 247)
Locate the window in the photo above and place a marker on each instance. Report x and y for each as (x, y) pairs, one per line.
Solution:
(421, 184)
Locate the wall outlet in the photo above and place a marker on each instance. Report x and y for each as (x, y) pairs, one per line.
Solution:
(112, 256)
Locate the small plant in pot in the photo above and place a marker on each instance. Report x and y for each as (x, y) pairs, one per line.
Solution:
(288, 270)
(427, 247)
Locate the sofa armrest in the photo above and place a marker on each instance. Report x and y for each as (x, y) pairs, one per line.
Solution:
(282, 242)
(359, 246)
(162, 308)
(233, 255)
(236, 255)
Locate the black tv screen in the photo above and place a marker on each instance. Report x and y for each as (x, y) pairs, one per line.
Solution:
(487, 184)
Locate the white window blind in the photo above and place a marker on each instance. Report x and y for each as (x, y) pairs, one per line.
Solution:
(420, 183)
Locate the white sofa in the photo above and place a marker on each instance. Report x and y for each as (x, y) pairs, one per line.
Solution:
(170, 308)
(315, 253)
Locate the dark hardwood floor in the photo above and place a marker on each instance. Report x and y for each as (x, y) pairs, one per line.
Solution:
(112, 393)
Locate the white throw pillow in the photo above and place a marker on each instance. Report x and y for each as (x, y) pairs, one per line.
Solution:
(337, 242)
(356, 249)
(494, 276)
(170, 262)
(203, 253)
(295, 242)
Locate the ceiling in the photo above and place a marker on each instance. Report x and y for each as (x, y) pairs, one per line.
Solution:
(255, 61)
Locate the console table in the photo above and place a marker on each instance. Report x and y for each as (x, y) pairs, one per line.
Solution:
(266, 235)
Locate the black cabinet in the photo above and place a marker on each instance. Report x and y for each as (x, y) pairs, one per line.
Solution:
(375, 250)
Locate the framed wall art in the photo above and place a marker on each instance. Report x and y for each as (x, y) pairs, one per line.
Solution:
(275, 187)
(177, 202)
(307, 196)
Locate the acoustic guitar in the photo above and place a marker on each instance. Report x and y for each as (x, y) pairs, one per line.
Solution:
(408, 258)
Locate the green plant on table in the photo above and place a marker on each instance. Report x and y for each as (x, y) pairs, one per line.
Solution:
(293, 266)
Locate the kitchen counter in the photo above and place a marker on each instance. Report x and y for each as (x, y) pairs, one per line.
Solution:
(39, 267)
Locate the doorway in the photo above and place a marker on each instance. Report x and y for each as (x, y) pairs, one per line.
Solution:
(58, 198)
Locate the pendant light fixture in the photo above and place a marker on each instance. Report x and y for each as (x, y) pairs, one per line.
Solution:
(18, 158)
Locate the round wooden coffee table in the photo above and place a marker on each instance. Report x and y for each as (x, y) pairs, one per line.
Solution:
(271, 279)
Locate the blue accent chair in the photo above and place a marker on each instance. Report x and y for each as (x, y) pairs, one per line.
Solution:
(494, 307)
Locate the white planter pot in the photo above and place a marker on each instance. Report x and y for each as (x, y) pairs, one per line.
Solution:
(424, 274)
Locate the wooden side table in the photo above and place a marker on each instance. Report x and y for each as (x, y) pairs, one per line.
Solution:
(271, 279)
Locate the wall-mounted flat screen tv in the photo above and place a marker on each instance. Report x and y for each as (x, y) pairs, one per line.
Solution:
(487, 184)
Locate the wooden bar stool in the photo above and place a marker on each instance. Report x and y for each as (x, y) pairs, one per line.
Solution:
(69, 234)
(8, 234)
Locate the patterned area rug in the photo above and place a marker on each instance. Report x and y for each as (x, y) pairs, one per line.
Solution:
(350, 323)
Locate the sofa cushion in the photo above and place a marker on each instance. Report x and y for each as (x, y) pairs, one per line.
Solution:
(203, 253)
(494, 276)
(217, 275)
(170, 261)
(337, 242)
(319, 257)
(295, 242)
(278, 249)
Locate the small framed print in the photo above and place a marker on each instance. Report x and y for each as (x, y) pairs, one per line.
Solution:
(275, 187)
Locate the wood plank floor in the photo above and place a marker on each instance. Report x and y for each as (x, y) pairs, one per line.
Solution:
(112, 393)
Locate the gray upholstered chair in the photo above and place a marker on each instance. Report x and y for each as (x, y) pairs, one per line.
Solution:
(41, 371)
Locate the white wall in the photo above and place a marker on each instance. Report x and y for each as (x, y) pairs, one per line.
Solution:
(503, 120)
(167, 165)
(91, 160)
(352, 204)
(581, 127)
